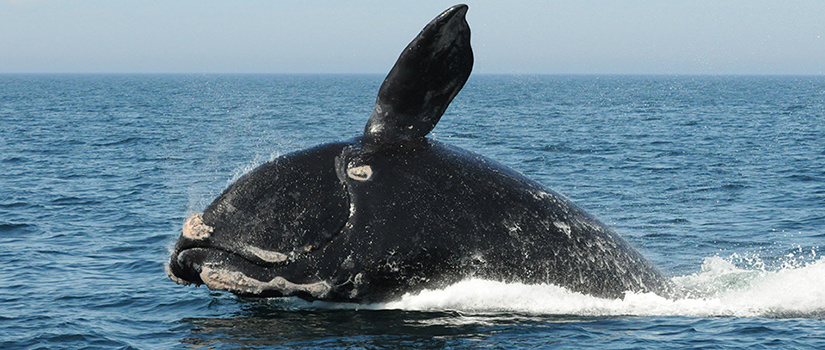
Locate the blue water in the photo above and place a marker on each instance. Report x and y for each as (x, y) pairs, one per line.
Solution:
(719, 181)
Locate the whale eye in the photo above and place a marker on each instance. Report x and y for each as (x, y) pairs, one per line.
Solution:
(360, 173)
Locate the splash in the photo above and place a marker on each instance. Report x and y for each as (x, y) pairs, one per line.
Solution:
(719, 289)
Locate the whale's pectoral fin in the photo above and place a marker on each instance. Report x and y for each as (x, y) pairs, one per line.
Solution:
(425, 79)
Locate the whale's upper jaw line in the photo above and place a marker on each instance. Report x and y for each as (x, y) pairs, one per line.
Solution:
(196, 234)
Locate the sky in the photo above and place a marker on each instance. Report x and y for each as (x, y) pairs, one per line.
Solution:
(328, 36)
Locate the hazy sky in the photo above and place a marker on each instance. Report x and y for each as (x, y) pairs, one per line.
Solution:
(316, 36)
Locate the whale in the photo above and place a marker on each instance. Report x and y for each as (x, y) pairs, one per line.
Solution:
(392, 211)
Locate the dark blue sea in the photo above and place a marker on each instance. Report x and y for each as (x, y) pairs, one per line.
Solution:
(719, 181)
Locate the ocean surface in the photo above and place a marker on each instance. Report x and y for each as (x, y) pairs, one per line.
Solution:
(719, 181)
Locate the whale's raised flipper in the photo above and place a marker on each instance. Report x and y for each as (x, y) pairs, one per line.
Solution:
(425, 79)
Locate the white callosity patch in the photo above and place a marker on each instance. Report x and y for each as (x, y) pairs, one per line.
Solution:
(237, 282)
(195, 229)
(360, 173)
(267, 255)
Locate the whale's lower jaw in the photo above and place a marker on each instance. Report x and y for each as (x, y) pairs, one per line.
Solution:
(239, 283)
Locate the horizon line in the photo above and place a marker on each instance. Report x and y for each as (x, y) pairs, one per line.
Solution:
(383, 74)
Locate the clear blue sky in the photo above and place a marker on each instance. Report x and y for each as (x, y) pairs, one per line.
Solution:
(315, 36)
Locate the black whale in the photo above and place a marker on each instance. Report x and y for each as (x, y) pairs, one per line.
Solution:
(392, 212)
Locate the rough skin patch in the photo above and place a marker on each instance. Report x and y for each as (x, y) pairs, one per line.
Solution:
(237, 282)
(267, 255)
(194, 228)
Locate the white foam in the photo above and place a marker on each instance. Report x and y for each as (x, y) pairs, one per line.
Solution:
(719, 289)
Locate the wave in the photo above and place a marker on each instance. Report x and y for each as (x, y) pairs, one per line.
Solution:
(720, 288)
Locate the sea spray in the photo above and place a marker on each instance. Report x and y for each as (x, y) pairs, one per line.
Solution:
(718, 289)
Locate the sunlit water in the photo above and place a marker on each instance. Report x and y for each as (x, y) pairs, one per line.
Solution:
(719, 181)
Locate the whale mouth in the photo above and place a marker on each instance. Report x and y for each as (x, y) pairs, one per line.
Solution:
(252, 272)
(227, 271)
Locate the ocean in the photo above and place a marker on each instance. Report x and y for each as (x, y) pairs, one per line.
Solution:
(718, 180)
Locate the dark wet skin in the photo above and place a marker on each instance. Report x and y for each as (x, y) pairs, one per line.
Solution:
(393, 212)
